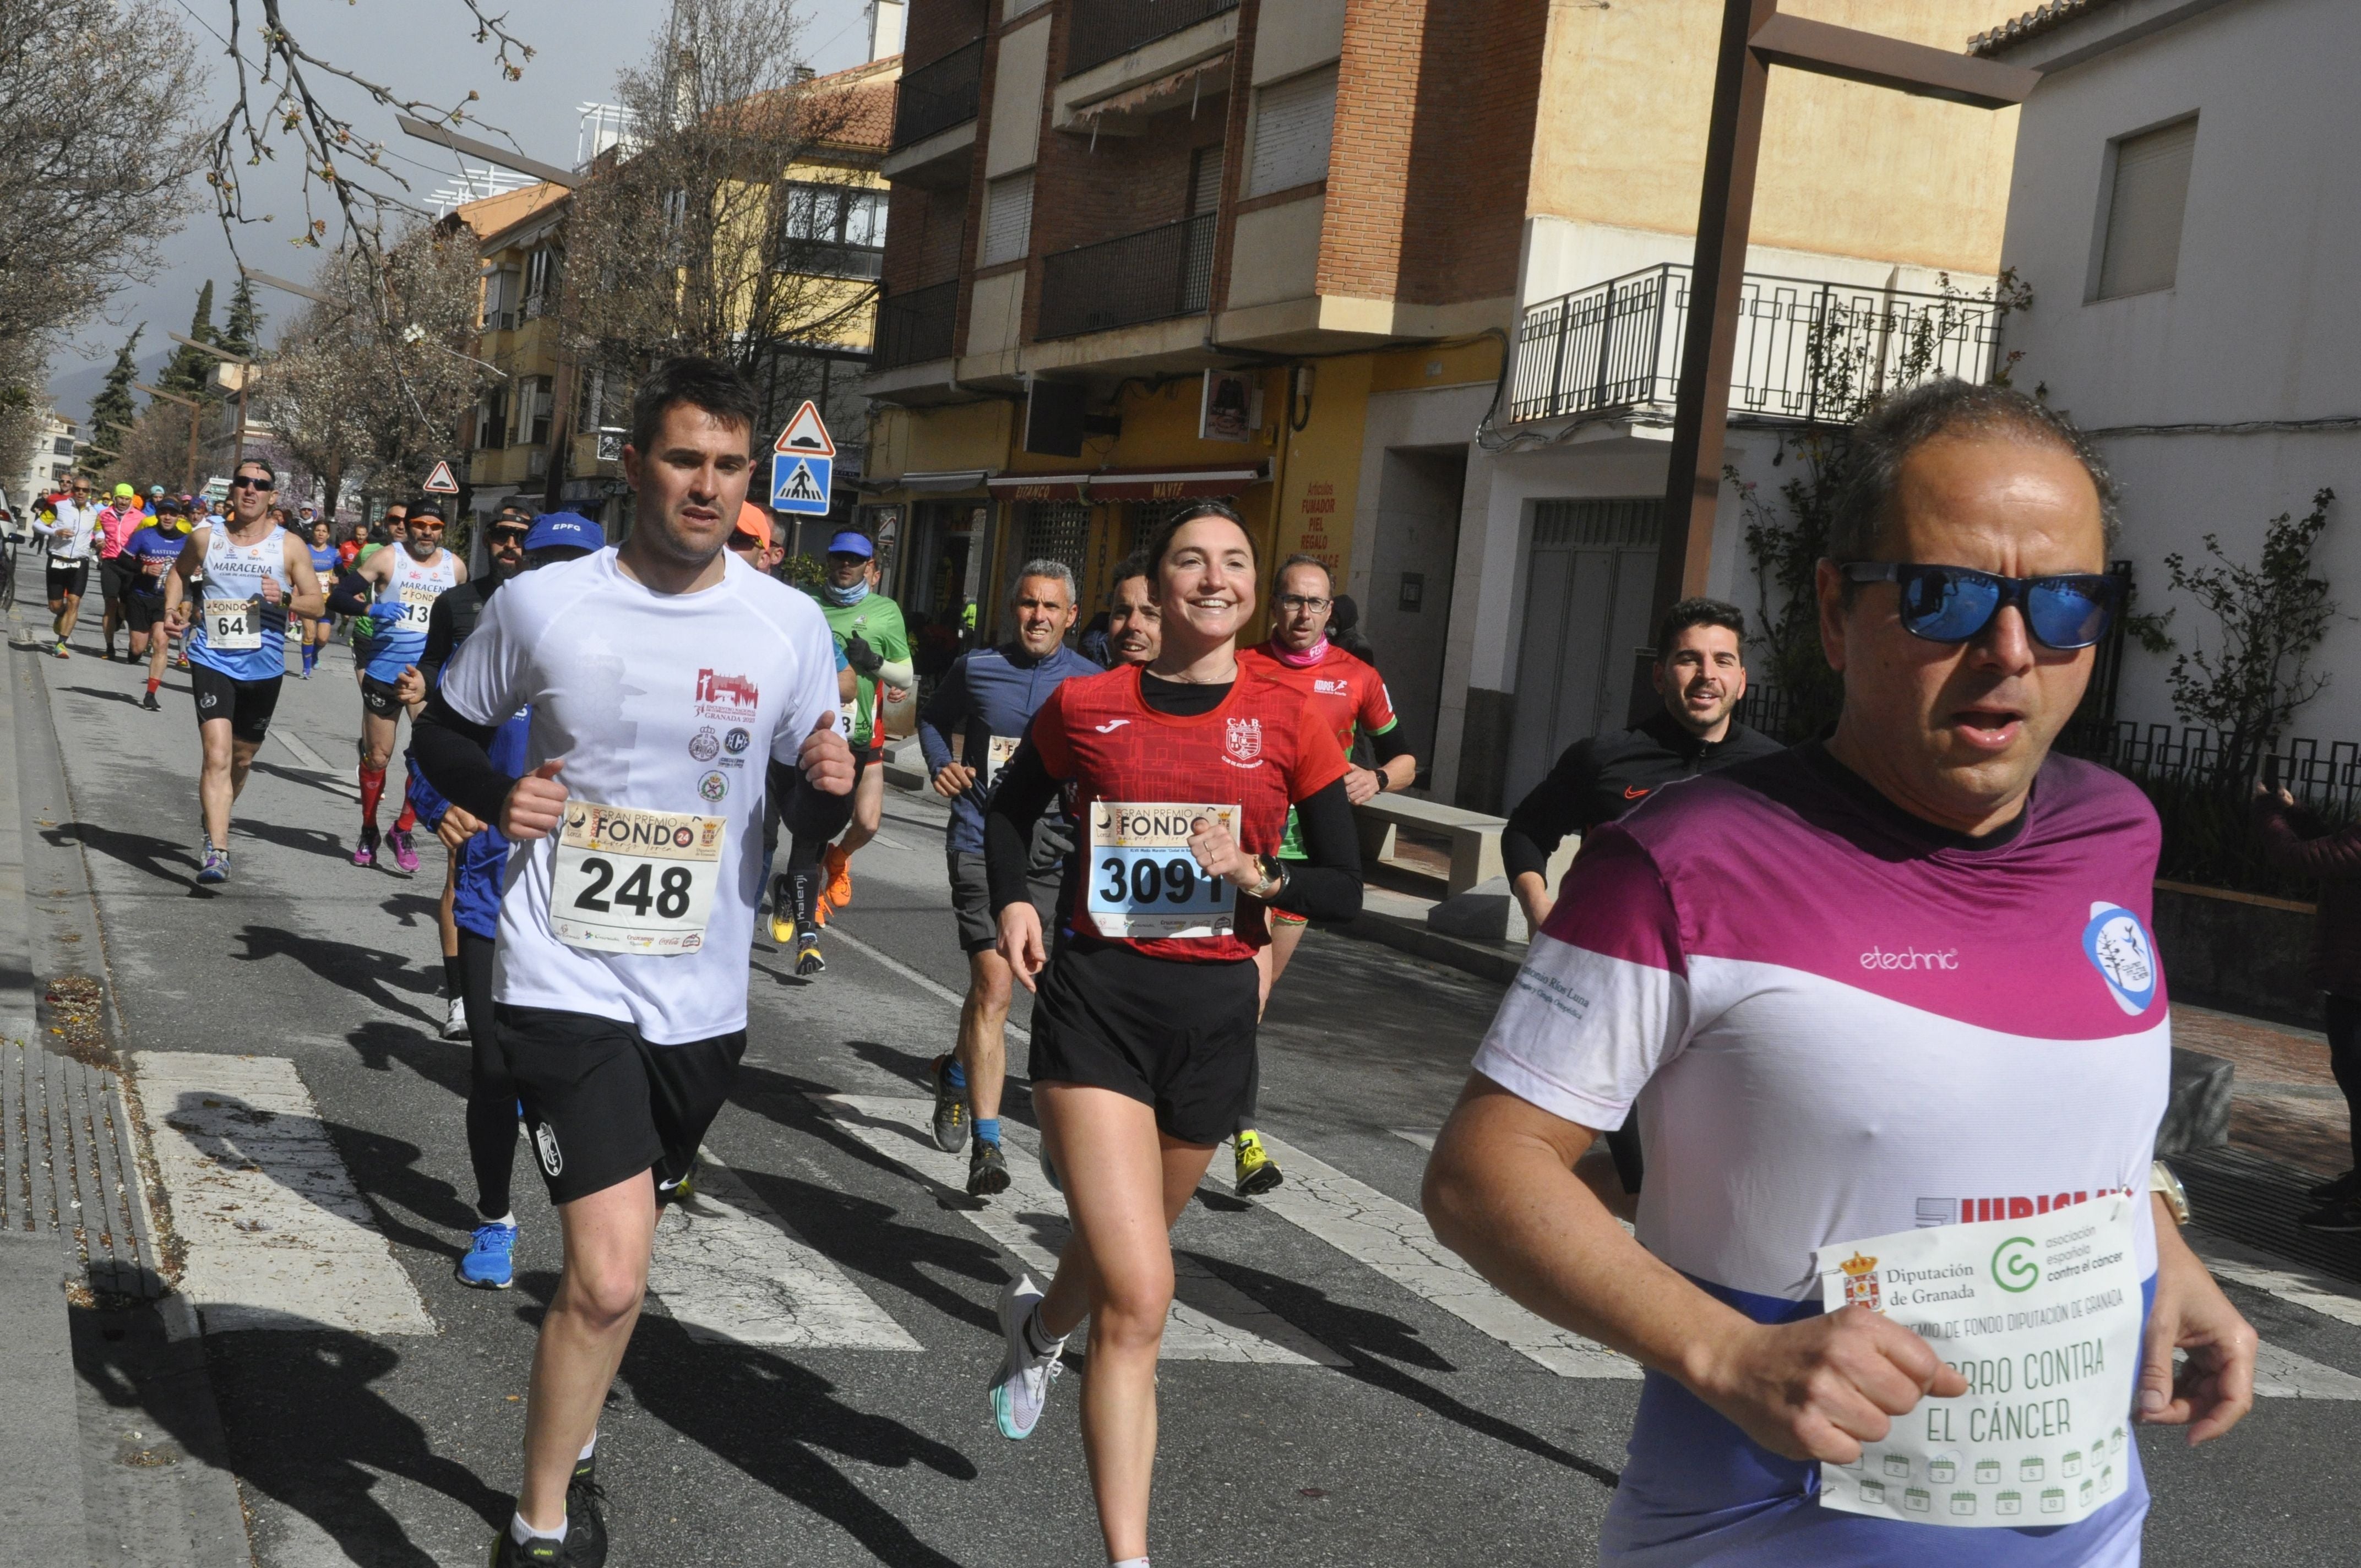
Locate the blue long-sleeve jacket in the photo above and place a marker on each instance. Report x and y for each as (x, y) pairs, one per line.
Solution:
(989, 692)
(483, 860)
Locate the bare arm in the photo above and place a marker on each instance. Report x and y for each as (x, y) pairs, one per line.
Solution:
(308, 598)
(186, 566)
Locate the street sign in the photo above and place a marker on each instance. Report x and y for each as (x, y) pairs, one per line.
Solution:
(802, 461)
(439, 481)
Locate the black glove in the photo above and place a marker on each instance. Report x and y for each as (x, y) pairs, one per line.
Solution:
(865, 660)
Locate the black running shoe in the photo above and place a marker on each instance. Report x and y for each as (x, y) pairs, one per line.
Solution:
(2345, 1186)
(586, 1518)
(540, 1551)
(951, 1108)
(987, 1170)
(2341, 1218)
(150, 703)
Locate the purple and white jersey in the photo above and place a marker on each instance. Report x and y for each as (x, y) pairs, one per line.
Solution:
(1838, 1021)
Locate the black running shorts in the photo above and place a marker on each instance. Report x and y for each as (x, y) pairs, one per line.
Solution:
(978, 921)
(603, 1104)
(110, 579)
(69, 577)
(378, 698)
(1177, 1038)
(142, 614)
(247, 705)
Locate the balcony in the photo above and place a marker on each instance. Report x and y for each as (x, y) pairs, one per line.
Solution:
(1104, 29)
(1146, 277)
(916, 327)
(1810, 351)
(939, 96)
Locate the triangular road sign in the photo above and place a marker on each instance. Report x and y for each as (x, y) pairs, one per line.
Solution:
(806, 435)
(439, 482)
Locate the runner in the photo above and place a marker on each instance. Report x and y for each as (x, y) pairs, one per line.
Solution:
(868, 630)
(327, 566)
(116, 524)
(251, 576)
(396, 588)
(621, 993)
(1135, 620)
(71, 533)
(1350, 696)
(1887, 995)
(987, 699)
(1144, 1025)
(146, 559)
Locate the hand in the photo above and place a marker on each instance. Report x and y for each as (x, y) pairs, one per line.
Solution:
(456, 826)
(1821, 1388)
(1020, 942)
(865, 660)
(2213, 1390)
(409, 687)
(1360, 784)
(536, 804)
(1218, 854)
(953, 779)
(270, 594)
(176, 620)
(826, 759)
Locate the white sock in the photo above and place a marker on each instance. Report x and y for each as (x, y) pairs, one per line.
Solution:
(587, 1449)
(1127, 1562)
(1038, 1338)
(524, 1533)
(508, 1219)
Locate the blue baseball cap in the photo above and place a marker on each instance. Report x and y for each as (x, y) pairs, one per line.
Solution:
(554, 529)
(851, 542)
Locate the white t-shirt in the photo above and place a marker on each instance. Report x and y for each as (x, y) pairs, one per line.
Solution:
(658, 703)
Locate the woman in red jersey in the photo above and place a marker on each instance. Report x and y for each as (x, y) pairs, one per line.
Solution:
(1182, 772)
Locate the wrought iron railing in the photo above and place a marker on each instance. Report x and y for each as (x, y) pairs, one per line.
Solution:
(1101, 29)
(938, 95)
(915, 327)
(1150, 275)
(1807, 350)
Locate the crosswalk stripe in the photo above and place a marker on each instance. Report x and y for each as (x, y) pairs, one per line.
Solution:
(1211, 1320)
(276, 1235)
(727, 1268)
(2283, 1374)
(927, 983)
(2296, 1288)
(1394, 1239)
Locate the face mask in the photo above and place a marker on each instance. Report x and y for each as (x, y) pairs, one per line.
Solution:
(845, 599)
(1302, 661)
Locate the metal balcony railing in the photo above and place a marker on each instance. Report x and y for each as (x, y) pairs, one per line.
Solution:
(1101, 29)
(1150, 275)
(915, 327)
(1807, 350)
(939, 94)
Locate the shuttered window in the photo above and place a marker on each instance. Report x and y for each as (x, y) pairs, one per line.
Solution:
(1293, 121)
(1008, 219)
(2145, 207)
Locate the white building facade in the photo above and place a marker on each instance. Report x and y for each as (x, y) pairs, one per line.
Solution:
(51, 462)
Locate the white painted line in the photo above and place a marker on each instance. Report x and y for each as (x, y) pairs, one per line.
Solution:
(1394, 1239)
(1422, 1137)
(1211, 1320)
(2283, 1374)
(727, 1269)
(927, 983)
(2301, 1289)
(311, 760)
(278, 1236)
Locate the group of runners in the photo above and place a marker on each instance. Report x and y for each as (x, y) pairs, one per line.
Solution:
(612, 744)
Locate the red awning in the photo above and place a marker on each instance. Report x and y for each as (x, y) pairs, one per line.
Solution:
(1129, 484)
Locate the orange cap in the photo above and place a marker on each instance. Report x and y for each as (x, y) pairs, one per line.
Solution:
(754, 522)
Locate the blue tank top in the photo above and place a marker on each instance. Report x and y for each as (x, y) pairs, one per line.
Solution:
(401, 609)
(237, 634)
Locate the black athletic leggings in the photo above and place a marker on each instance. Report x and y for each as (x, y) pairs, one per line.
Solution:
(491, 1092)
(2345, 1060)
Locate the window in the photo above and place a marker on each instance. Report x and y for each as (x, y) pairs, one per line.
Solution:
(833, 231)
(492, 421)
(1008, 219)
(1293, 121)
(63, 446)
(541, 273)
(501, 297)
(2148, 194)
(535, 405)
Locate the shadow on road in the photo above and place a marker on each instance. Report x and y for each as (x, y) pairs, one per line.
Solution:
(371, 974)
(102, 692)
(158, 858)
(310, 841)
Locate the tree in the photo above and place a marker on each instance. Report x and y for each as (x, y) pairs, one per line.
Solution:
(112, 412)
(242, 333)
(189, 371)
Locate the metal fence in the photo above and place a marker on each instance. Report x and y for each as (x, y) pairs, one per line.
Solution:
(1101, 29)
(1156, 273)
(940, 94)
(915, 327)
(1807, 350)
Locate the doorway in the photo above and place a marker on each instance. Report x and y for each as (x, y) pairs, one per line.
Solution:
(1406, 609)
(1588, 577)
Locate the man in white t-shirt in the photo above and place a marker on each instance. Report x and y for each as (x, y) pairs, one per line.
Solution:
(661, 678)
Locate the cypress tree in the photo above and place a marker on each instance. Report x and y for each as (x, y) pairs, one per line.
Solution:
(111, 413)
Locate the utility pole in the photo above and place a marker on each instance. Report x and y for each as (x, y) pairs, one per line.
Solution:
(246, 372)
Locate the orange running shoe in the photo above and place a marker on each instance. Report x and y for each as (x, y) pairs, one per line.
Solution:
(838, 866)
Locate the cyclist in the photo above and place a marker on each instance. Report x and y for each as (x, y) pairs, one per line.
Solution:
(146, 558)
(1182, 772)
(116, 524)
(328, 566)
(396, 588)
(627, 911)
(986, 698)
(868, 630)
(253, 575)
(70, 533)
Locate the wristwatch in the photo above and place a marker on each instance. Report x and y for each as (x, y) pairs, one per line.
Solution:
(1274, 878)
(2176, 1197)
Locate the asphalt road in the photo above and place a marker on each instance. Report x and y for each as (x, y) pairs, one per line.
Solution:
(1356, 1421)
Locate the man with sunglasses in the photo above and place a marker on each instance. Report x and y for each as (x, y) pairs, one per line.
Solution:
(72, 531)
(396, 588)
(1889, 995)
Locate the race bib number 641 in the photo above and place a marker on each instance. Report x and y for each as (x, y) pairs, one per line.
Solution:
(232, 625)
(1144, 881)
(634, 882)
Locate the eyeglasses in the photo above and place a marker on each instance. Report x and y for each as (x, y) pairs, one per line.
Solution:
(1952, 604)
(1303, 602)
(509, 535)
(249, 482)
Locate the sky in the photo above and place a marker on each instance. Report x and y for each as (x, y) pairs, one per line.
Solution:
(421, 48)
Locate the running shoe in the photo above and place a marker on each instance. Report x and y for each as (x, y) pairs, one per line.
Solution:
(1257, 1172)
(150, 703)
(838, 865)
(809, 963)
(951, 1108)
(2341, 1217)
(783, 911)
(542, 1551)
(455, 1023)
(1023, 1385)
(987, 1170)
(365, 852)
(216, 866)
(490, 1264)
(586, 1515)
(405, 854)
(60, 650)
(2345, 1186)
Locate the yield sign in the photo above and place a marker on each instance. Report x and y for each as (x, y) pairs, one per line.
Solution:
(439, 482)
(806, 435)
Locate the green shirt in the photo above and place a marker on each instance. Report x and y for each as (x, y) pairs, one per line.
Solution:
(878, 622)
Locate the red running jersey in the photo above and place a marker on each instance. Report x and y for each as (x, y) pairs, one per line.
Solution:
(1262, 750)
(1344, 691)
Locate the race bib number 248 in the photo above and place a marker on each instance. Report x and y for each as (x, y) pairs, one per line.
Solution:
(635, 882)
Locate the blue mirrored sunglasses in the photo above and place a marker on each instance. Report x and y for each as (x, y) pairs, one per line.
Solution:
(1952, 604)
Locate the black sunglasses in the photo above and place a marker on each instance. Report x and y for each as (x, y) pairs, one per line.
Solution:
(249, 482)
(510, 535)
(1952, 604)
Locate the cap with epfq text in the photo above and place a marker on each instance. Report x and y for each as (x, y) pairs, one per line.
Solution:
(552, 530)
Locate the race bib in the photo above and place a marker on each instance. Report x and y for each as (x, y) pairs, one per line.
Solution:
(1143, 882)
(417, 607)
(2041, 1315)
(997, 750)
(232, 625)
(634, 882)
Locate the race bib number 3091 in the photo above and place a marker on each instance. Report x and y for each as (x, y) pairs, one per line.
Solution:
(1143, 882)
(634, 882)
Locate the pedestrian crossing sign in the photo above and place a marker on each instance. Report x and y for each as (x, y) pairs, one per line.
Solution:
(439, 481)
(803, 462)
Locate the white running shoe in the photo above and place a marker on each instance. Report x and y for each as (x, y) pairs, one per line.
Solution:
(454, 1027)
(1022, 1388)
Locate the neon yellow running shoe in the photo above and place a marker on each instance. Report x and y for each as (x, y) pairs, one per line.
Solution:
(1257, 1172)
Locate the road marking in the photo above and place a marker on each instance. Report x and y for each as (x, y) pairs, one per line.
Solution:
(924, 982)
(1422, 1137)
(2298, 1288)
(311, 760)
(1394, 1239)
(278, 1236)
(2284, 1375)
(1211, 1320)
(727, 1268)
